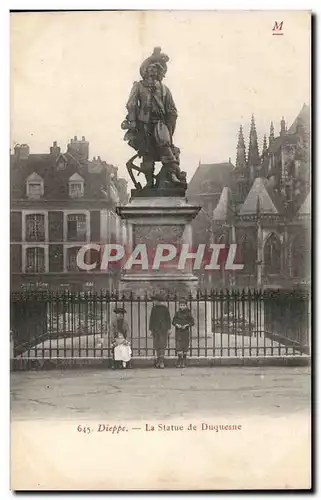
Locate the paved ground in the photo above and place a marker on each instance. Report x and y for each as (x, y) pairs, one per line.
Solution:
(157, 448)
(148, 393)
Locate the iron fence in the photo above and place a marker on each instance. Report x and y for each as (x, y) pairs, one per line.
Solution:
(228, 324)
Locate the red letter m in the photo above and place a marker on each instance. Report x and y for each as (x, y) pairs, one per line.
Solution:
(277, 26)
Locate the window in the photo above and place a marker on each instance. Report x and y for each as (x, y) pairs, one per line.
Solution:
(72, 259)
(76, 186)
(35, 227)
(76, 227)
(76, 189)
(72, 253)
(35, 186)
(35, 189)
(272, 255)
(35, 261)
(247, 255)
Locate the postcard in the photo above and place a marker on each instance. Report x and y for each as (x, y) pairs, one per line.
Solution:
(160, 243)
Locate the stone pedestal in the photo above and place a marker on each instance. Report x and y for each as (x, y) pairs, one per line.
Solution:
(152, 220)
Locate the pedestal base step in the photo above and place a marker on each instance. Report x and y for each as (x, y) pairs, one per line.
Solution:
(153, 192)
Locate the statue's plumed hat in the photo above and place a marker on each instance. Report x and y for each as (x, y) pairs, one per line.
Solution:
(157, 57)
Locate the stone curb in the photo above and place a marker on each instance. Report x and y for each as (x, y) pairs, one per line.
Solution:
(49, 364)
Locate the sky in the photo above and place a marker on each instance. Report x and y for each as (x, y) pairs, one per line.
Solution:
(71, 74)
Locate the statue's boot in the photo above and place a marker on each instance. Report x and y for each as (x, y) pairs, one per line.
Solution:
(148, 168)
(174, 178)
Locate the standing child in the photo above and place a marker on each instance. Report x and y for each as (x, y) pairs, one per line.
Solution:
(183, 321)
(122, 350)
(159, 326)
(119, 331)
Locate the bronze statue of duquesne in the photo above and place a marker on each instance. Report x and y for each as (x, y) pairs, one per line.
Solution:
(150, 124)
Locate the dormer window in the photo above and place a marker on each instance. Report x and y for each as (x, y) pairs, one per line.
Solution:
(35, 186)
(35, 189)
(76, 186)
(76, 189)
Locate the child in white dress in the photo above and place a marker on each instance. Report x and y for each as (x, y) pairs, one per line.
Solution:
(122, 350)
(121, 346)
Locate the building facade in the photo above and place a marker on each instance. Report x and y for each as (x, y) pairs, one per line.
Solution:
(60, 202)
(204, 190)
(265, 208)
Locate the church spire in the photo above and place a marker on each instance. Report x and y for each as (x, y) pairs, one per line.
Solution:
(240, 150)
(253, 158)
(283, 129)
(264, 149)
(271, 137)
(265, 158)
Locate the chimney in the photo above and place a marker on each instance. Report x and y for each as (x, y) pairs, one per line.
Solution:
(22, 151)
(55, 149)
(79, 148)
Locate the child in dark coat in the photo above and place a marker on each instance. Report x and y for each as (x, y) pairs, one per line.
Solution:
(183, 321)
(159, 326)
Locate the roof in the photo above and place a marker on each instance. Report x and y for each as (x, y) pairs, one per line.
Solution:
(76, 177)
(95, 167)
(304, 116)
(223, 207)
(288, 138)
(277, 198)
(210, 178)
(262, 193)
(306, 206)
(34, 177)
(56, 180)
